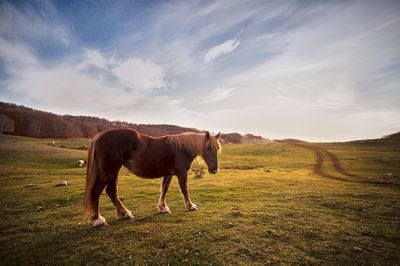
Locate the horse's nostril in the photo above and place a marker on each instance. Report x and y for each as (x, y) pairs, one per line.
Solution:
(213, 171)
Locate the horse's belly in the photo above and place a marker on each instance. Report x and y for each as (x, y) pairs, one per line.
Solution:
(148, 170)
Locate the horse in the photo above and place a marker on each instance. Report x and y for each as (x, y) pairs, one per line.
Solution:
(146, 157)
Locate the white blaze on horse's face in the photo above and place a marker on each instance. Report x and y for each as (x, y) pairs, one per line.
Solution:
(210, 154)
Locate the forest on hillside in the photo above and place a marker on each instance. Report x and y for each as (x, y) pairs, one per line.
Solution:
(24, 121)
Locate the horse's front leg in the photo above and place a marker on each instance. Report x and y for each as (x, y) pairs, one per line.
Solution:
(182, 178)
(162, 205)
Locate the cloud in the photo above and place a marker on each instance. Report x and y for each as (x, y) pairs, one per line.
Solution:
(16, 55)
(72, 86)
(93, 58)
(221, 49)
(26, 24)
(82, 81)
(303, 68)
(320, 64)
(220, 93)
(89, 83)
(140, 75)
(323, 80)
(178, 34)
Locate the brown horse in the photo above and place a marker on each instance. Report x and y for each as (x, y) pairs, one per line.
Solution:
(147, 157)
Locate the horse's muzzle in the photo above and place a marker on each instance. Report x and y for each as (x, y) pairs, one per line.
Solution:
(213, 171)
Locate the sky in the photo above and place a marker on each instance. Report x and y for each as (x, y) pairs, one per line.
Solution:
(312, 70)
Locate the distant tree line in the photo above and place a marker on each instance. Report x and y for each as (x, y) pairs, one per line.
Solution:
(24, 121)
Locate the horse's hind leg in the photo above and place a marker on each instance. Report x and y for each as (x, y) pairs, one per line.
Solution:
(112, 192)
(162, 205)
(95, 216)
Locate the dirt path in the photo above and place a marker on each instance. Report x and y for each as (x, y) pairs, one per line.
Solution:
(320, 159)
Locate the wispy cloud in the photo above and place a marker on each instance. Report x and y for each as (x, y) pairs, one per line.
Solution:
(323, 73)
(303, 68)
(33, 26)
(221, 49)
(87, 81)
(220, 93)
(73, 86)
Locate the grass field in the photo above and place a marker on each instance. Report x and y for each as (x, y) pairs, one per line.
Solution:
(272, 203)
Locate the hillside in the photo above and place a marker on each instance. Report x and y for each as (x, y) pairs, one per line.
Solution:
(244, 139)
(290, 141)
(24, 121)
(393, 136)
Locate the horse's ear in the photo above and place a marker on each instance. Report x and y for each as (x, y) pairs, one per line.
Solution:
(218, 136)
(207, 135)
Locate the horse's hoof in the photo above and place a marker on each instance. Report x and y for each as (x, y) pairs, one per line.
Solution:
(127, 215)
(164, 210)
(193, 207)
(100, 221)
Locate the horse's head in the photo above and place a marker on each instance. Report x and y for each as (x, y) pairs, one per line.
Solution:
(210, 153)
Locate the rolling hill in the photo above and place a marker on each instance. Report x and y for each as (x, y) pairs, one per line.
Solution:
(24, 121)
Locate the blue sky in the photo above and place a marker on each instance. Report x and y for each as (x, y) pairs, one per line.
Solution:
(314, 70)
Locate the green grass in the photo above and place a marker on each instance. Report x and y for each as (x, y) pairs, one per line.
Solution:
(370, 159)
(265, 206)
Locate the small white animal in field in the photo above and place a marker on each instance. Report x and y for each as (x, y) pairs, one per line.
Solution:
(81, 163)
(65, 183)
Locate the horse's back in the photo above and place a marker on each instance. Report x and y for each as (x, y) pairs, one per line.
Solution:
(118, 137)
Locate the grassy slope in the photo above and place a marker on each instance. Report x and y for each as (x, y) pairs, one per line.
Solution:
(369, 160)
(266, 205)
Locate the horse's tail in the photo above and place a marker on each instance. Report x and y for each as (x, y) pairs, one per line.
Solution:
(91, 175)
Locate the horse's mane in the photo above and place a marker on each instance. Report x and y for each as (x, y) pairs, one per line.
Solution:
(192, 142)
